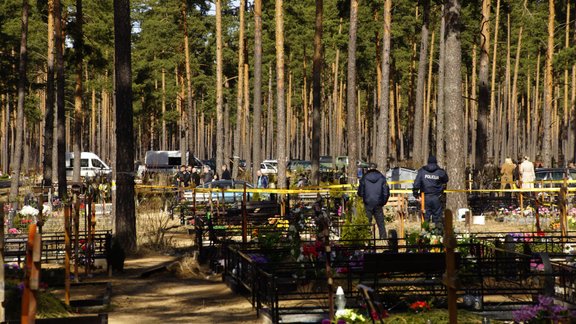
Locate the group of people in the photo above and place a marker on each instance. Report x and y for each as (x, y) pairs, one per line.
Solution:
(190, 176)
(511, 174)
(430, 180)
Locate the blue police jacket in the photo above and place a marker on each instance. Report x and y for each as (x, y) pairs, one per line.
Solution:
(373, 189)
(430, 180)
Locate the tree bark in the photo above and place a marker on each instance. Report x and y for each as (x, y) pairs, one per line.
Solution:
(124, 156)
(480, 153)
(219, 96)
(257, 105)
(280, 104)
(546, 118)
(49, 116)
(78, 109)
(492, 145)
(352, 131)
(239, 92)
(455, 152)
(60, 108)
(417, 154)
(384, 104)
(187, 119)
(317, 92)
(440, 146)
(22, 83)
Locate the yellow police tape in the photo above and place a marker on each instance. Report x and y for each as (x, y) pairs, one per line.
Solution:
(346, 188)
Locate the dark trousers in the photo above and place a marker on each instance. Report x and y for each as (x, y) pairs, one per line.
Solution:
(378, 214)
(434, 210)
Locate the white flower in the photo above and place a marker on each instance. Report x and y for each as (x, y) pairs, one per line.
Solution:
(29, 211)
(46, 210)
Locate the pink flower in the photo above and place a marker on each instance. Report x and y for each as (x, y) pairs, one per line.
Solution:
(13, 231)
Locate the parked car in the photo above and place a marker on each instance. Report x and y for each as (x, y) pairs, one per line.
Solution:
(299, 165)
(267, 168)
(90, 165)
(342, 161)
(552, 177)
(226, 197)
(272, 162)
(326, 163)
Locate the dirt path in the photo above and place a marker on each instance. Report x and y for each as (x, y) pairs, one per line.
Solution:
(164, 298)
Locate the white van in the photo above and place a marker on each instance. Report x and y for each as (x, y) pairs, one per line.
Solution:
(90, 165)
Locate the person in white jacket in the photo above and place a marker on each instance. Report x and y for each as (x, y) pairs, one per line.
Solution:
(527, 174)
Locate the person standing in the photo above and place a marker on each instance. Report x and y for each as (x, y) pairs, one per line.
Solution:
(431, 180)
(507, 174)
(225, 173)
(208, 176)
(262, 181)
(527, 174)
(180, 176)
(195, 177)
(375, 192)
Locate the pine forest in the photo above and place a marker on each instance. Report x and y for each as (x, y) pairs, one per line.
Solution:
(388, 81)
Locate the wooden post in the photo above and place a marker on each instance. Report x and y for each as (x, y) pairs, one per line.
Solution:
(40, 210)
(563, 209)
(522, 202)
(244, 217)
(67, 212)
(76, 236)
(422, 208)
(450, 277)
(2, 274)
(32, 275)
(468, 220)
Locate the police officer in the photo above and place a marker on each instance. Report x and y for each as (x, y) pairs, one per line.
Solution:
(431, 180)
(374, 192)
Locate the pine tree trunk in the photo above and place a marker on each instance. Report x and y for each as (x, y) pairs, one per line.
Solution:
(508, 98)
(270, 117)
(186, 118)
(455, 151)
(417, 154)
(239, 91)
(473, 112)
(440, 151)
(428, 94)
(49, 116)
(93, 136)
(317, 100)
(351, 105)
(60, 110)
(124, 143)
(335, 147)
(516, 131)
(246, 120)
(572, 129)
(78, 108)
(492, 145)
(480, 153)
(257, 104)
(566, 149)
(219, 84)
(546, 114)
(22, 81)
(281, 112)
(384, 104)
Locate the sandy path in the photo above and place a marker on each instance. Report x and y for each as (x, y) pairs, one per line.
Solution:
(164, 298)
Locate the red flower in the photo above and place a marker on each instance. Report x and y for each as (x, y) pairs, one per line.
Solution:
(419, 306)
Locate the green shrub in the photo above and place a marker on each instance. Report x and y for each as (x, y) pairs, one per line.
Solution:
(356, 229)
